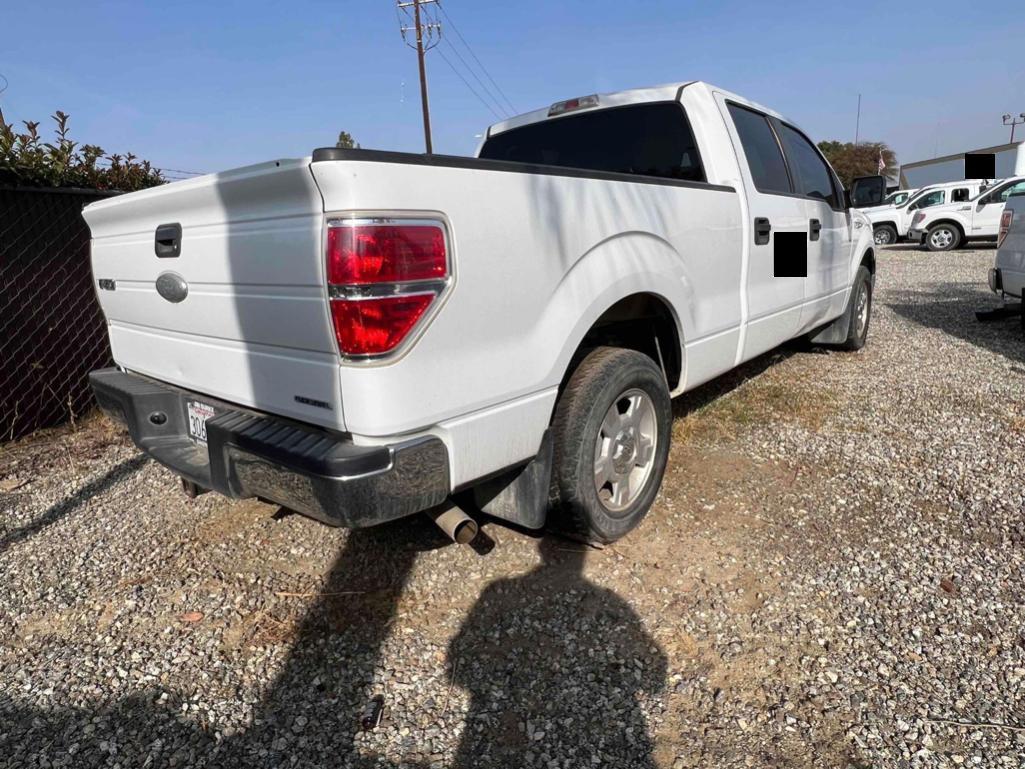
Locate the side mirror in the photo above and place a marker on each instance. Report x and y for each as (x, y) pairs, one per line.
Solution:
(866, 191)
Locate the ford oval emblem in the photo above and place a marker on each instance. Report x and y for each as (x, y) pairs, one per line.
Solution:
(172, 287)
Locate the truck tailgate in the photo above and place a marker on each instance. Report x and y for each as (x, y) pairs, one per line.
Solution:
(253, 326)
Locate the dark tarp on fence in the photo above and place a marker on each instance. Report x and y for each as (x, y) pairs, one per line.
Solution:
(52, 333)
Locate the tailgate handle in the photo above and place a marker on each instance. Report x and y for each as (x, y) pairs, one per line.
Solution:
(814, 228)
(168, 242)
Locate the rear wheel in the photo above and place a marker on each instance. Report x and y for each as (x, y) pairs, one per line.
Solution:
(611, 439)
(885, 235)
(943, 237)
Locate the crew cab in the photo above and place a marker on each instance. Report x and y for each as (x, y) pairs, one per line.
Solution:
(891, 225)
(360, 335)
(1007, 277)
(942, 228)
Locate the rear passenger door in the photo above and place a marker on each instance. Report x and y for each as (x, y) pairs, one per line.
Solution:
(777, 232)
(829, 228)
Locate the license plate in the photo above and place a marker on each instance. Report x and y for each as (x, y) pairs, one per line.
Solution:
(198, 414)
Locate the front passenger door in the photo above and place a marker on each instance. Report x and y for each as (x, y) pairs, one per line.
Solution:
(986, 216)
(777, 230)
(829, 230)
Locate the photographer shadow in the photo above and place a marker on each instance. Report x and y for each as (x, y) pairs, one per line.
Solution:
(557, 668)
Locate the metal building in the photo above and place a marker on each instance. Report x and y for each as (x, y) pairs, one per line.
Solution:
(1010, 161)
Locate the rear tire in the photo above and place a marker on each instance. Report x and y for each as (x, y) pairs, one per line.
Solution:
(861, 311)
(611, 436)
(942, 237)
(885, 235)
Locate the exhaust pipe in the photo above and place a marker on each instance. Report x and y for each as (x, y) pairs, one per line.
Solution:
(459, 527)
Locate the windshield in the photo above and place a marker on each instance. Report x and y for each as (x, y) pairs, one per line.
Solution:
(1010, 188)
(928, 199)
(917, 196)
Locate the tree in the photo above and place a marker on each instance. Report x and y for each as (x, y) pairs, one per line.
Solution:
(345, 141)
(851, 160)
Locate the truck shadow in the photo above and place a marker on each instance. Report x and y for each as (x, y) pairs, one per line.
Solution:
(534, 651)
(703, 395)
(951, 308)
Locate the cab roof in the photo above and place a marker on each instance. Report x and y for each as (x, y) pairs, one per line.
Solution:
(665, 92)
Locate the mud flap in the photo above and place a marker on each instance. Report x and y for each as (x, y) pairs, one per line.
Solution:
(836, 331)
(520, 496)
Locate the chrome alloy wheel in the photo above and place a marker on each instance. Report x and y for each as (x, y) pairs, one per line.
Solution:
(941, 238)
(861, 309)
(624, 453)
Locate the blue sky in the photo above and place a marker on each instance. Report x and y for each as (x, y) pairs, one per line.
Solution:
(209, 85)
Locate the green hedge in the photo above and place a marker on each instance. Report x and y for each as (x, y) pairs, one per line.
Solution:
(26, 160)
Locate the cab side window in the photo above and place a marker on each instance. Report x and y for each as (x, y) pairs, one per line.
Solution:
(959, 195)
(812, 177)
(764, 156)
(934, 198)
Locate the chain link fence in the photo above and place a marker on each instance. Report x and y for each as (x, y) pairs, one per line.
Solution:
(52, 332)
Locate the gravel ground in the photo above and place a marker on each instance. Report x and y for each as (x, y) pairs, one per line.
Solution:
(832, 576)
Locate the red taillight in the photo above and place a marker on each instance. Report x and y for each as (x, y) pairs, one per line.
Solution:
(375, 326)
(364, 254)
(1005, 226)
(382, 279)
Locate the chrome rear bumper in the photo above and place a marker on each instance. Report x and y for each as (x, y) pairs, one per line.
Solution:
(299, 466)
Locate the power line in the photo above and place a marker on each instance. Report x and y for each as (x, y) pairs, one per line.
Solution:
(444, 58)
(176, 171)
(483, 86)
(479, 63)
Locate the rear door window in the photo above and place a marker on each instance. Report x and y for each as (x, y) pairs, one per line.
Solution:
(763, 153)
(959, 195)
(812, 176)
(644, 140)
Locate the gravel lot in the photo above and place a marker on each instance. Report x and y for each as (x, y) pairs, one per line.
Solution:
(833, 575)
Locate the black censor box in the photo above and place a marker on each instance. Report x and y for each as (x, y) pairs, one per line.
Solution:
(790, 254)
(982, 165)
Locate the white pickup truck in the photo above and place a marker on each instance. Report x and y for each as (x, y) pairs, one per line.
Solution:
(362, 335)
(891, 224)
(942, 228)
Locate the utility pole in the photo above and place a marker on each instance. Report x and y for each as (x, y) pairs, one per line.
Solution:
(2, 89)
(428, 34)
(857, 125)
(1008, 120)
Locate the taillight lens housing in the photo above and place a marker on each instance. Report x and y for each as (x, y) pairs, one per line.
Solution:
(379, 253)
(383, 278)
(919, 216)
(1005, 226)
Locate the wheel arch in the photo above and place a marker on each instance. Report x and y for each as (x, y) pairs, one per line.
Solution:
(869, 260)
(644, 321)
